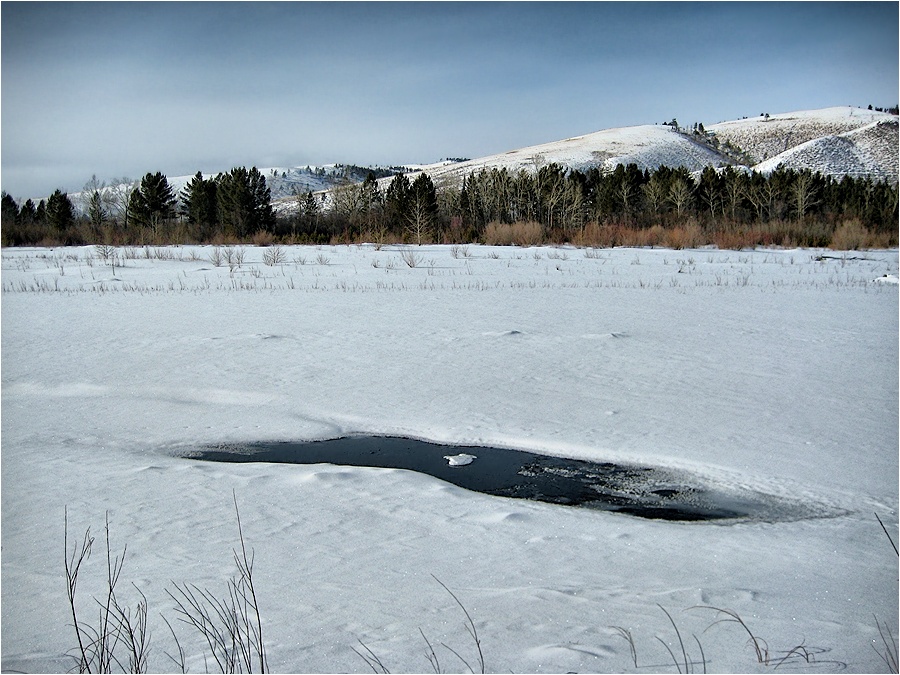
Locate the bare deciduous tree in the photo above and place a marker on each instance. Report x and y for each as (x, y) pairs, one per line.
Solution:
(680, 195)
(803, 193)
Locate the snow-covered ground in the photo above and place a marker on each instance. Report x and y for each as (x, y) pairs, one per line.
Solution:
(771, 371)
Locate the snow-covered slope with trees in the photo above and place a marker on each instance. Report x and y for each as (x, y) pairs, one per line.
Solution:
(766, 137)
(836, 141)
(285, 182)
(862, 152)
(648, 146)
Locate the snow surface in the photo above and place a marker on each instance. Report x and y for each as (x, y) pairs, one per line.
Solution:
(771, 371)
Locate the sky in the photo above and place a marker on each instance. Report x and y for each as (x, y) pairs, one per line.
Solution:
(121, 89)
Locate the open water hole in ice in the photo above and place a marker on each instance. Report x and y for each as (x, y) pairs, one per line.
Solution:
(647, 492)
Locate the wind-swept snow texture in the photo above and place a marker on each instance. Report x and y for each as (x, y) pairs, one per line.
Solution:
(768, 371)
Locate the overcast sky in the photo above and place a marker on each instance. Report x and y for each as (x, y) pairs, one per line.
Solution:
(120, 89)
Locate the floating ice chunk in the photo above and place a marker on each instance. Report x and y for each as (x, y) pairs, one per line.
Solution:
(888, 279)
(460, 460)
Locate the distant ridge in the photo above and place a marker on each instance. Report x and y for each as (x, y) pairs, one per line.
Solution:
(837, 142)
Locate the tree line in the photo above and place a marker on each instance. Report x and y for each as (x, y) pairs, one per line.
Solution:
(235, 205)
(624, 206)
(567, 205)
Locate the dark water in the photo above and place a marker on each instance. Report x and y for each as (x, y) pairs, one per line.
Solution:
(640, 491)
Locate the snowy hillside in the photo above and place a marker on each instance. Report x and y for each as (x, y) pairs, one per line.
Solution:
(836, 141)
(866, 151)
(648, 146)
(765, 139)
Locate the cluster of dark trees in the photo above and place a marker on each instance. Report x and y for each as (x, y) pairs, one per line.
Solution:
(563, 201)
(893, 110)
(236, 206)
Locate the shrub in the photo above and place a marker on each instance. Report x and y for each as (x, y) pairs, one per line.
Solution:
(274, 256)
(849, 235)
(687, 236)
(263, 238)
(519, 233)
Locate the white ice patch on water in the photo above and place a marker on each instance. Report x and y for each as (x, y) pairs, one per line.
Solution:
(460, 460)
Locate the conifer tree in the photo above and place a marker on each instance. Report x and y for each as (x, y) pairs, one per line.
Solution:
(370, 200)
(9, 211)
(422, 208)
(199, 204)
(153, 203)
(396, 201)
(244, 202)
(40, 213)
(96, 209)
(60, 212)
(28, 213)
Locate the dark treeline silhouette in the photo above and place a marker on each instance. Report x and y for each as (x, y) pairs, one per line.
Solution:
(729, 207)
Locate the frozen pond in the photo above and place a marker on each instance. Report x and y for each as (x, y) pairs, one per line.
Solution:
(644, 491)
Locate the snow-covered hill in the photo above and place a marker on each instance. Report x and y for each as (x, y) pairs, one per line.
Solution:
(836, 141)
(764, 139)
(648, 146)
(866, 151)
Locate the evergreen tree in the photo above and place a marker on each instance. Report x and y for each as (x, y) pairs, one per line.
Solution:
(422, 211)
(263, 214)
(308, 212)
(396, 201)
(96, 209)
(244, 202)
(40, 213)
(9, 211)
(60, 212)
(199, 204)
(153, 203)
(370, 200)
(28, 213)
(710, 190)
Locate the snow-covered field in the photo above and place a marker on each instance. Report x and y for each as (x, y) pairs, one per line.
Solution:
(769, 371)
